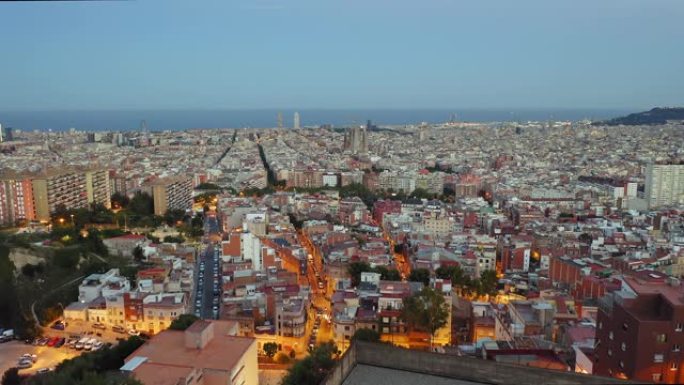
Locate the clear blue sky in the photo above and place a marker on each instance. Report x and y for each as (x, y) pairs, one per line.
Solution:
(149, 54)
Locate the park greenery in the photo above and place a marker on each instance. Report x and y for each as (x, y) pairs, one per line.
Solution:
(486, 284)
(367, 335)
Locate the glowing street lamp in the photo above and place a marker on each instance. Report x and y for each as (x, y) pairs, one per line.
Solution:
(61, 221)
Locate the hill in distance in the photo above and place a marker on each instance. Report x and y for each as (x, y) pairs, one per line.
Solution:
(658, 115)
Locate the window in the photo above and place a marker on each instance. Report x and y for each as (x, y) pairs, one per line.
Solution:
(676, 347)
(661, 338)
(623, 346)
(658, 358)
(679, 327)
(624, 326)
(610, 352)
(622, 365)
(674, 366)
(657, 377)
(610, 335)
(600, 325)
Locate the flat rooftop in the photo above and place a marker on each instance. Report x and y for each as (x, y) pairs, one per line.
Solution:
(366, 374)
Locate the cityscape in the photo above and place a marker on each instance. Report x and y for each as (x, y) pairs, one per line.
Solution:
(344, 245)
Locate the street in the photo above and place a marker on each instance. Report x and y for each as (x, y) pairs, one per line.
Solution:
(208, 277)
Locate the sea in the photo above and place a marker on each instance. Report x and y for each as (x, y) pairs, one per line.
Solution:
(161, 120)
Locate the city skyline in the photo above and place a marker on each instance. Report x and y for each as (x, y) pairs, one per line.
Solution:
(243, 55)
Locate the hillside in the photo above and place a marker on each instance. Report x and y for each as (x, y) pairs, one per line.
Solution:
(657, 115)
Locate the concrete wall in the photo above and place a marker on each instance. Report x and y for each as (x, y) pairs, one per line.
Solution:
(343, 367)
(464, 368)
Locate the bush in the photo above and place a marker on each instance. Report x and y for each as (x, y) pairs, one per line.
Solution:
(282, 358)
(67, 258)
(183, 322)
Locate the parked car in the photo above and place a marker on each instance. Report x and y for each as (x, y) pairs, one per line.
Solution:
(97, 345)
(99, 326)
(118, 329)
(60, 342)
(43, 370)
(133, 332)
(89, 344)
(80, 345)
(59, 325)
(53, 341)
(27, 356)
(25, 364)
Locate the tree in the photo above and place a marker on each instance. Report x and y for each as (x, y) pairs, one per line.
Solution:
(172, 239)
(67, 258)
(454, 273)
(420, 275)
(314, 368)
(11, 377)
(172, 217)
(183, 322)
(142, 204)
(425, 310)
(270, 349)
(365, 334)
(355, 269)
(388, 274)
(119, 201)
(488, 282)
(138, 253)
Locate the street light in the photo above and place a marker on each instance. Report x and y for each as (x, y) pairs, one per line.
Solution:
(61, 221)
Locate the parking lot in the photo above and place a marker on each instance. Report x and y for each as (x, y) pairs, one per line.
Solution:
(48, 357)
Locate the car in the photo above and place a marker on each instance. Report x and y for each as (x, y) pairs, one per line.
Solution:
(133, 332)
(60, 342)
(59, 325)
(118, 329)
(97, 345)
(27, 356)
(25, 364)
(89, 344)
(42, 341)
(53, 341)
(43, 370)
(80, 345)
(99, 326)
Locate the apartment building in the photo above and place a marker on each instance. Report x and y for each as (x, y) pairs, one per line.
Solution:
(206, 353)
(98, 187)
(16, 199)
(161, 309)
(664, 184)
(640, 330)
(172, 193)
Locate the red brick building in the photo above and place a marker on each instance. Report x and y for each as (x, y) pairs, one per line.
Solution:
(640, 330)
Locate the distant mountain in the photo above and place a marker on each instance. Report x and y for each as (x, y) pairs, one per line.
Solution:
(657, 115)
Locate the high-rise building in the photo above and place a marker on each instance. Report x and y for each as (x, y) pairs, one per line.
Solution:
(664, 184)
(172, 193)
(296, 121)
(0, 133)
(53, 188)
(16, 199)
(98, 187)
(640, 330)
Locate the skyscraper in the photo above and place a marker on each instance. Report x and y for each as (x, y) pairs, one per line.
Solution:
(0, 133)
(296, 120)
(664, 184)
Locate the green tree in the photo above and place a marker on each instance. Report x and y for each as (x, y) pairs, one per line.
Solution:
(355, 269)
(138, 253)
(487, 283)
(387, 274)
(142, 204)
(454, 273)
(420, 275)
(425, 310)
(67, 258)
(270, 349)
(119, 201)
(183, 322)
(173, 239)
(366, 334)
(312, 369)
(11, 377)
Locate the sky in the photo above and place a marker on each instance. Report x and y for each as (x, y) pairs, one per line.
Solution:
(246, 54)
